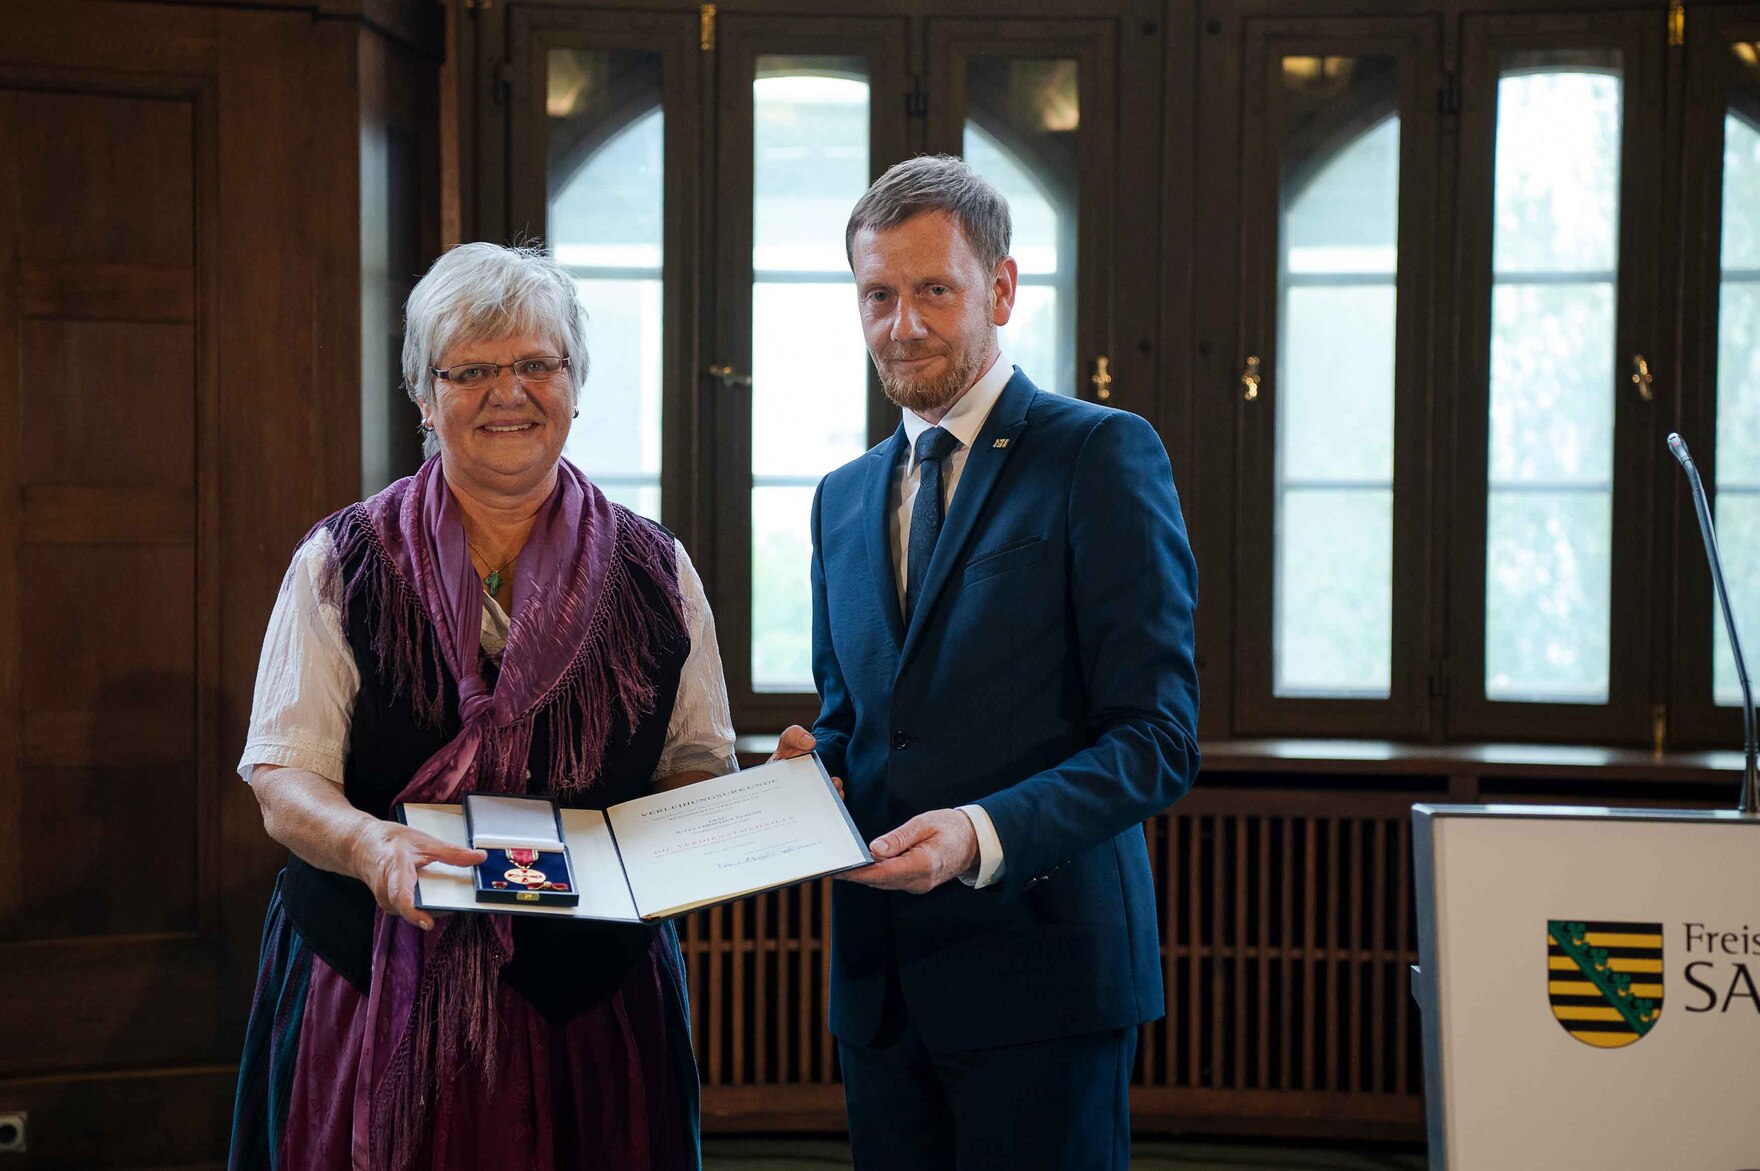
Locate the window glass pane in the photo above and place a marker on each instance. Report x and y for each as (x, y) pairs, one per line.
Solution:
(1555, 247)
(809, 363)
(782, 602)
(1334, 634)
(1546, 638)
(1334, 389)
(606, 195)
(1022, 117)
(1737, 499)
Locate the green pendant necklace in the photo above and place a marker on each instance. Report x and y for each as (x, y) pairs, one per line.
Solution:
(491, 583)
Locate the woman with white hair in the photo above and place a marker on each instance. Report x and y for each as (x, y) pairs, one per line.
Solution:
(492, 623)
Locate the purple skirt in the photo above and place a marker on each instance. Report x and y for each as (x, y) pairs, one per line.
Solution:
(615, 1088)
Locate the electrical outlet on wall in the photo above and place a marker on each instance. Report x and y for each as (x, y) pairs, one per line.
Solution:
(12, 1132)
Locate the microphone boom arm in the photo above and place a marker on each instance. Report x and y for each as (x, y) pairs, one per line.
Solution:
(1750, 797)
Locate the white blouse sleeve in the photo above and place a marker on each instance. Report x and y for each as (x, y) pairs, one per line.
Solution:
(306, 679)
(699, 737)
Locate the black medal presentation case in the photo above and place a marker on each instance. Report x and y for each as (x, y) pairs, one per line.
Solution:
(528, 860)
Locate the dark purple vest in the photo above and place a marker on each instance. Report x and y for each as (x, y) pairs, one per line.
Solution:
(562, 968)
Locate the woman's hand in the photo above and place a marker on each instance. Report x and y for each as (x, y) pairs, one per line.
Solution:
(797, 741)
(387, 857)
(310, 816)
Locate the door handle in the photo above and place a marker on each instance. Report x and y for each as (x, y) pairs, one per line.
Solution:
(1641, 378)
(727, 376)
(1102, 379)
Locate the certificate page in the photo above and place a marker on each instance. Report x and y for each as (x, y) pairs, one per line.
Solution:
(602, 887)
(746, 832)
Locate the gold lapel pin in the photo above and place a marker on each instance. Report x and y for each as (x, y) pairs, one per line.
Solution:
(1000, 443)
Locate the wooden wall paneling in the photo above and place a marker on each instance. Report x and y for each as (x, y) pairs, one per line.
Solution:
(288, 411)
(150, 1118)
(97, 290)
(11, 391)
(115, 179)
(212, 748)
(110, 399)
(121, 40)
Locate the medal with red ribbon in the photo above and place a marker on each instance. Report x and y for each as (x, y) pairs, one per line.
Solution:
(523, 871)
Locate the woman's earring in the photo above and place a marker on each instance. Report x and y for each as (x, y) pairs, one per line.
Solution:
(577, 412)
(426, 426)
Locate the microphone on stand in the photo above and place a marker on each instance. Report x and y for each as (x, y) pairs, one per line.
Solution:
(1750, 801)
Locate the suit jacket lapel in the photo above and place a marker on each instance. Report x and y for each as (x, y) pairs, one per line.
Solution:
(877, 522)
(983, 465)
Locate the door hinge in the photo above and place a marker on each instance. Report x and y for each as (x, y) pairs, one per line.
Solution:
(503, 82)
(1448, 97)
(1659, 729)
(1677, 23)
(916, 98)
(706, 28)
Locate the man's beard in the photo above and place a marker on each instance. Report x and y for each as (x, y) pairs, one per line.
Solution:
(935, 393)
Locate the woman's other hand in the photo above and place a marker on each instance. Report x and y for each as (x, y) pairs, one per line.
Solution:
(797, 741)
(388, 856)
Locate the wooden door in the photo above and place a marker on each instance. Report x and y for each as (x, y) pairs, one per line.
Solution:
(178, 215)
(106, 665)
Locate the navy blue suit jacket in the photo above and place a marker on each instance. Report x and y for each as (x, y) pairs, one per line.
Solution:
(1047, 676)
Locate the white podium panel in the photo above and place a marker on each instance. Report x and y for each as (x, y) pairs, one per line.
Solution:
(1590, 985)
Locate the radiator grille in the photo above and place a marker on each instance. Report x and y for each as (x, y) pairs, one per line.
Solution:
(1286, 926)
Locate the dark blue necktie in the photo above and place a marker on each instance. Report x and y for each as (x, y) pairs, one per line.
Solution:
(932, 446)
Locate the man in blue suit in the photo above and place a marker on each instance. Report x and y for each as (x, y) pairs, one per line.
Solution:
(1002, 641)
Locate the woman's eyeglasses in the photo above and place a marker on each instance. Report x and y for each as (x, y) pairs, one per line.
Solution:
(537, 369)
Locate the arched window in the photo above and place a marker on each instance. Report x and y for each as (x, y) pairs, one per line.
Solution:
(605, 226)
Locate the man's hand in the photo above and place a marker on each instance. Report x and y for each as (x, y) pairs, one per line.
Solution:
(926, 851)
(388, 855)
(797, 741)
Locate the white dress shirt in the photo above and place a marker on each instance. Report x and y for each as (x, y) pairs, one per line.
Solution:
(963, 422)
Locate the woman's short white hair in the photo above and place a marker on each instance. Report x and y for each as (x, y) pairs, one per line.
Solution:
(481, 292)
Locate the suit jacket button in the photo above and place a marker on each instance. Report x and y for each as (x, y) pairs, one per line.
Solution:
(900, 741)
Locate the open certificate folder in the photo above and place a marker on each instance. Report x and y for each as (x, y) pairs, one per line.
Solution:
(676, 851)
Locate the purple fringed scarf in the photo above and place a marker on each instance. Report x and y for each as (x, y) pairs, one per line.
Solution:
(580, 649)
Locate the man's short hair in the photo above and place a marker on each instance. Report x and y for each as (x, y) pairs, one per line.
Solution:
(936, 183)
